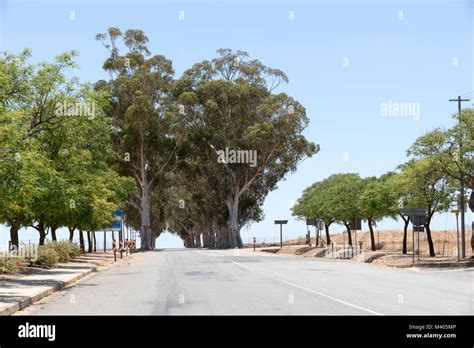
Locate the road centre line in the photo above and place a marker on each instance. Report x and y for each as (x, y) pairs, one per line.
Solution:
(315, 292)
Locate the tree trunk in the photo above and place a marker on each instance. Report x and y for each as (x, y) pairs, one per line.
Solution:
(81, 241)
(472, 240)
(71, 233)
(372, 237)
(349, 237)
(14, 228)
(145, 210)
(471, 206)
(14, 237)
(223, 237)
(428, 237)
(198, 239)
(328, 238)
(206, 238)
(94, 241)
(42, 237)
(42, 232)
(145, 221)
(234, 231)
(405, 233)
(153, 242)
(53, 233)
(219, 238)
(89, 241)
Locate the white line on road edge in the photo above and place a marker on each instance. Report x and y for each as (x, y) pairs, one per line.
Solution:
(330, 297)
(315, 292)
(238, 264)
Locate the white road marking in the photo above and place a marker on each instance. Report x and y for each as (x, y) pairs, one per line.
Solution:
(240, 265)
(330, 297)
(316, 292)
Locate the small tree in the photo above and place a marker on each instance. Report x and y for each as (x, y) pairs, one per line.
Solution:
(427, 188)
(376, 201)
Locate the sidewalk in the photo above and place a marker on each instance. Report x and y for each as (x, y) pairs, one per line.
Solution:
(405, 261)
(379, 257)
(21, 290)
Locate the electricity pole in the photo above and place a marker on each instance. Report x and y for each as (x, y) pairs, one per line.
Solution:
(463, 224)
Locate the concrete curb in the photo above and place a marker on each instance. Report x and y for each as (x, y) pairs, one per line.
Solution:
(21, 304)
(435, 265)
(445, 265)
(44, 293)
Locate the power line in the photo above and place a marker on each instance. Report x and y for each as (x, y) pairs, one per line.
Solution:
(468, 93)
(459, 100)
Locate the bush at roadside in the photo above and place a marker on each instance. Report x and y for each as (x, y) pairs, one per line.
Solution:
(10, 265)
(65, 250)
(47, 256)
(53, 252)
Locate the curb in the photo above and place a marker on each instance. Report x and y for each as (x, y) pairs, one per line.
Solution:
(42, 294)
(445, 265)
(21, 304)
(434, 265)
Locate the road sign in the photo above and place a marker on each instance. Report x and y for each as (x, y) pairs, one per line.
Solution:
(118, 212)
(419, 220)
(418, 228)
(414, 211)
(311, 222)
(116, 224)
(356, 224)
(281, 223)
(320, 225)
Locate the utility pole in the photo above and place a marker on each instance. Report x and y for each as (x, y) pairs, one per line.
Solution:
(459, 100)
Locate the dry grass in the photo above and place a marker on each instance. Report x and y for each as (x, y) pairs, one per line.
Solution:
(391, 241)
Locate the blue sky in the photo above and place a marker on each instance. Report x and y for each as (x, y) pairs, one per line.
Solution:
(343, 58)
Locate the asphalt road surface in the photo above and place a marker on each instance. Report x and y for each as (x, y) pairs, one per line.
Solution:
(187, 281)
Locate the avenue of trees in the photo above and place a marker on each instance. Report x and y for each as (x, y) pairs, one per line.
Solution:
(144, 141)
(430, 179)
(56, 170)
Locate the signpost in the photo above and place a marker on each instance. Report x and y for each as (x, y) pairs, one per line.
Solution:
(320, 227)
(418, 218)
(471, 206)
(311, 222)
(281, 223)
(355, 225)
(456, 212)
(115, 225)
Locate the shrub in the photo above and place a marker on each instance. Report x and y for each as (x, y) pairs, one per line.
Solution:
(65, 250)
(74, 250)
(10, 265)
(47, 256)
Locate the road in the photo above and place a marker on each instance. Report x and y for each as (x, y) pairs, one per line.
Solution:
(197, 281)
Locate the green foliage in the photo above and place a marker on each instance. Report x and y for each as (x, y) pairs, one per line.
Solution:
(378, 199)
(48, 257)
(230, 103)
(426, 186)
(56, 161)
(442, 148)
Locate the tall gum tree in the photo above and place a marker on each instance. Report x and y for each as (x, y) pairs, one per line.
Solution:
(231, 102)
(139, 95)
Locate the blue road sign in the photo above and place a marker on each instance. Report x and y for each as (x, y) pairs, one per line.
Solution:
(118, 212)
(117, 220)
